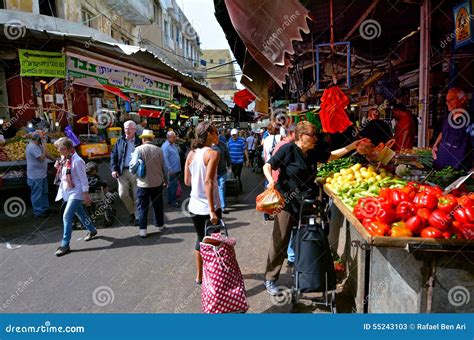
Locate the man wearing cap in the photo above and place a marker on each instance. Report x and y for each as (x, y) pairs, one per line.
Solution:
(173, 166)
(37, 175)
(120, 166)
(150, 186)
(237, 149)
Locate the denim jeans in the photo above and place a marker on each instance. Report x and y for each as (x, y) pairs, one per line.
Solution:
(172, 187)
(291, 252)
(74, 207)
(39, 195)
(221, 183)
(144, 195)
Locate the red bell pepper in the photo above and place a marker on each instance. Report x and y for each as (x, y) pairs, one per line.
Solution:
(399, 196)
(436, 190)
(358, 212)
(386, 193)
(424, 213)
(410, 189)
(456, 230)
(367, 207)
(414, 224)
(440, 220)
(431, 232)
(425, 200)
(468, 231)
(447, 203)
(377, 228)
(386, 215)
(466, 201)
(447, 235)
(399, 231)
(384, 203)
(464, 214)
(405, 210)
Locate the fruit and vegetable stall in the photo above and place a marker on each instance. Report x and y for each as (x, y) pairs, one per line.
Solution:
(407, 242)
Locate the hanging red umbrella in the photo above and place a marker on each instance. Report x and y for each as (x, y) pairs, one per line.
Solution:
(243, 98)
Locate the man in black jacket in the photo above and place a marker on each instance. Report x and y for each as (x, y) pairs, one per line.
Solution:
(120, 163)
(376, 129)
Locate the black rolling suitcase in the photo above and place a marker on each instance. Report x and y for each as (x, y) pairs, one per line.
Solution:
(314, 266)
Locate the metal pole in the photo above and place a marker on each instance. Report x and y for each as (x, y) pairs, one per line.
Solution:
(424, 86)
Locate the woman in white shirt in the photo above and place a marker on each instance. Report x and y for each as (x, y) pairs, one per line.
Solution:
(73, 190)
(271, 141)
(201, 174)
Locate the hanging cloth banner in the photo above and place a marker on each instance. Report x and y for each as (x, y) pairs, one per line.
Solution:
(116, 76)
(42, 64)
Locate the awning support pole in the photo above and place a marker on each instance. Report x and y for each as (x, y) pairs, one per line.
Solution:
(424, 86)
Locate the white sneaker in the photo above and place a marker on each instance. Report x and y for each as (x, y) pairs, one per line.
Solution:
(142, 232)
(161, 229)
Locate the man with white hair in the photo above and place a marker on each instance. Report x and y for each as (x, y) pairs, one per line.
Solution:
(173, 166)
(120, 164)
(453, 147)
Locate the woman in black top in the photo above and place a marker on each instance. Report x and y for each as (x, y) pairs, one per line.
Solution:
(296, 177)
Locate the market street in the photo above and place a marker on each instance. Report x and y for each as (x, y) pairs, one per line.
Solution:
(128, 274)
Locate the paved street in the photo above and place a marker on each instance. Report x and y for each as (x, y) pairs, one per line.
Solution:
(120, 272)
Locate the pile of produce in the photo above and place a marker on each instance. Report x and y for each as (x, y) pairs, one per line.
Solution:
(328, 169)
(52, 150)
(445, 176)
(417, 210)
(357, 181)
(16, 151)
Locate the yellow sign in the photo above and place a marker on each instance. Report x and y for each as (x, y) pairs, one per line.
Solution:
(42, 64)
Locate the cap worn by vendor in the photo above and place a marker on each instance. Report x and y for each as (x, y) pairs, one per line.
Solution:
(234, 132)
(147, 133)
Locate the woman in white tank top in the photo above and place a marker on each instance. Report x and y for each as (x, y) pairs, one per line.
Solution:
(201, 174)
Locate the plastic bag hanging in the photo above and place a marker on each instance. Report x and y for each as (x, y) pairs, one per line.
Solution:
(332, 114)
(270, 201)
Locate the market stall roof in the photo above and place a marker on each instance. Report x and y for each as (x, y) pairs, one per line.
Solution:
(393, 22)
(134, 55)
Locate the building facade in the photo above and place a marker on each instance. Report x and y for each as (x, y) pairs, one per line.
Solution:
(221, 73)
(158, 25)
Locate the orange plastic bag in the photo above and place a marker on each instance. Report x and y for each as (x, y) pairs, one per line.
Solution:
(270, 201)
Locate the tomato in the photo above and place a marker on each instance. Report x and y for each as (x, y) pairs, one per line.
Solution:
(431, 232)
(447, 203)
(440, 220)
(414, 224)
(405, 210)
(426, 200)
(400, 232)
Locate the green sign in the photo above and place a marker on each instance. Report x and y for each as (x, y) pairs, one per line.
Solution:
(112, 75)
(42, 64)
(173, 115)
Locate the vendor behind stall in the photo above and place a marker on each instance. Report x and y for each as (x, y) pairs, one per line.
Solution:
(406, 129)
(453, 147)
(376, 130)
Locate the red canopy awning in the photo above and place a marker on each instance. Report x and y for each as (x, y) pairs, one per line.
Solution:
(149, 113)
(92, 82)
(243, 98)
